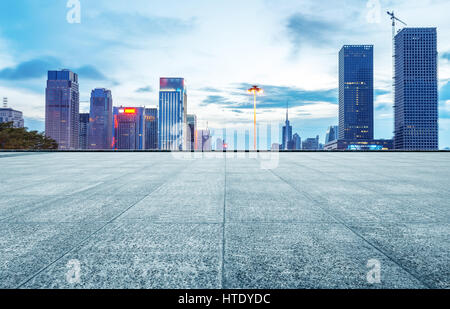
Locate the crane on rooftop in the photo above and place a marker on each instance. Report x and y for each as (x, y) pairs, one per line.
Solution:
(394, 18)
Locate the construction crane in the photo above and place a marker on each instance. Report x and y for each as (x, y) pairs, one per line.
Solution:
(393, 18)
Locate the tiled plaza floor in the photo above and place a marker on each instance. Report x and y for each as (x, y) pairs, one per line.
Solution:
(162, 220)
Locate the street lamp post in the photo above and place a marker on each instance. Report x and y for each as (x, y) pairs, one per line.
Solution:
(255, 90)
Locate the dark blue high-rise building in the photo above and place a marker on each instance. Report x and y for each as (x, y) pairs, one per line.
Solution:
(100, 122)
(84, 131)
(151, 128)
(356, 92)
(416, 90)
(62, 109)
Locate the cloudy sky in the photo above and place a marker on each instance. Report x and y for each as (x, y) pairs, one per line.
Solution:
(289, 47)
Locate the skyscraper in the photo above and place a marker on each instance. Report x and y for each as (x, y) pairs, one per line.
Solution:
(204, 140)
(416, 90)
(247, 140)
(151, 128)
(269, 136)
(129, 128)
(191, 131)
(8, 114)
(84, 128)
(219, 144)
(332, 134)
(172, 114)
(311, 144)
(224, 137)
(356, 92)
(100, 122)
(287, 132)
(296, 142)
(235, 140)
(62, 107)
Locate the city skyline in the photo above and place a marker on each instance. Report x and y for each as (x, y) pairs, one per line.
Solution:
(303, 69)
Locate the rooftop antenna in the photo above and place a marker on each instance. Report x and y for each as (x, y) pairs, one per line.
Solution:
(5, 102)
(287, 111)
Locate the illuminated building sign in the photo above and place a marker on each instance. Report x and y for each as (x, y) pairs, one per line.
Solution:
(127, 111)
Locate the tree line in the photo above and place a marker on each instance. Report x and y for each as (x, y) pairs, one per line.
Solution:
(21, 139)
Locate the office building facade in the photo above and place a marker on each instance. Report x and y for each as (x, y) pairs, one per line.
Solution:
(62, 108)
(8, 114)
(356, 92)
(416, 89)
(101, 117)
(172, 114)
(129, 128)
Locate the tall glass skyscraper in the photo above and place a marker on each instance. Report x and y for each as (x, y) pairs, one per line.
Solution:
(62, 108)
(100, 122)
(356, 92)
(172, 114)
(416, 90)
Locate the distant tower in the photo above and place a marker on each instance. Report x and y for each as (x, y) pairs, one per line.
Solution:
(101, 117)
(247, 140)
(62, 108)
(84, 131)
(287, 131)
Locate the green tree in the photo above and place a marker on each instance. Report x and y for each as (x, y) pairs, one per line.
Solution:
(21, 139)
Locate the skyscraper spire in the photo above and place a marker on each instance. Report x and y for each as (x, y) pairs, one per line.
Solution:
(287, 111)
